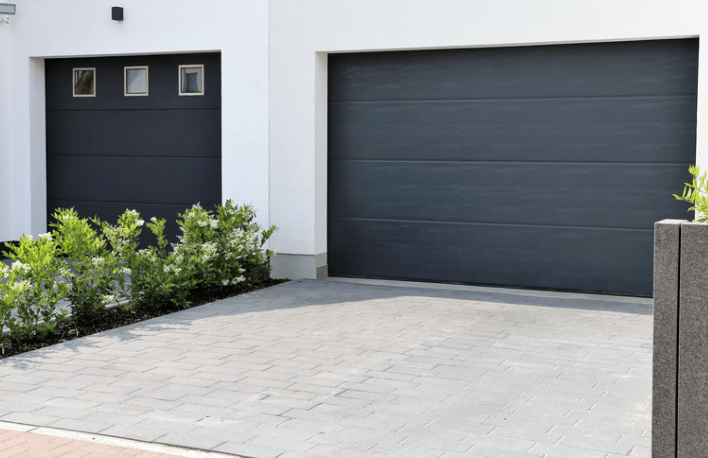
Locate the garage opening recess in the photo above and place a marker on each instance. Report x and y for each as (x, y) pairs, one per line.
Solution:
(129, 139)
(537, 167)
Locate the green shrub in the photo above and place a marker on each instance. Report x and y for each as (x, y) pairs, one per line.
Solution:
(159, 280)
(12, 290)
(696, 193)
(101, 263)
(225, 250)
(92, 271)
(31, 284)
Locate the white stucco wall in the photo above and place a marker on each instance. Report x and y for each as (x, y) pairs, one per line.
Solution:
(79, 28)
(8, 168)
(303, 33)
(274, 81)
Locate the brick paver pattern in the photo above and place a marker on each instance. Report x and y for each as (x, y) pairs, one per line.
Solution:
(331, 368)
(21, 444)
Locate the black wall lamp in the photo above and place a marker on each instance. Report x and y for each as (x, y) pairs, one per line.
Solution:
(117, 13)
(6, 9)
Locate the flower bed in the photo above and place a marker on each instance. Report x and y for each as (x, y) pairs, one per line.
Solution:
(92, 264)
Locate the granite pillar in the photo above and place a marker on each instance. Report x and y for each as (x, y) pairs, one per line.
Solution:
(665, 364)
(692, 434)
(680, 371)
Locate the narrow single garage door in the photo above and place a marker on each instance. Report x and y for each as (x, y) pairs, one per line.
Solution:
(530, 166)
(139, 132)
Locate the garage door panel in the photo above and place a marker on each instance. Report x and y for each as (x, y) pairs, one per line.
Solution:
(110, 152)
(647, 129)
(566, 258)
(135, 179)
(617, 69)
(546, 166)
(163, 83)
(131, 133)
(506, 192)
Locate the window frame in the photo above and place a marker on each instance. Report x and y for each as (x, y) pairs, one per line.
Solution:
(125, 80)
(73, 81)
(179, 79)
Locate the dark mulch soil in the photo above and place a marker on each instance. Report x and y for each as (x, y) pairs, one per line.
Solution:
(116, 317)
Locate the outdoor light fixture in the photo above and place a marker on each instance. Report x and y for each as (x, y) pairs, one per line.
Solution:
(6, 9)
(117, 13)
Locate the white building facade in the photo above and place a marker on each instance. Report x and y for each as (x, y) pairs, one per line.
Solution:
(274, 84)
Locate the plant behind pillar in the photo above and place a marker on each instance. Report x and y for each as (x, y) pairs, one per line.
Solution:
(696, 193)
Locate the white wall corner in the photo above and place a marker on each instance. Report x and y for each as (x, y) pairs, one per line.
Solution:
(702, 112)
(321, 77)
(38, 147)
(299, 266)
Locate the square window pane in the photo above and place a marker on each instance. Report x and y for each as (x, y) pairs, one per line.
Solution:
(84, 82)
(136, 81)
(191, 80)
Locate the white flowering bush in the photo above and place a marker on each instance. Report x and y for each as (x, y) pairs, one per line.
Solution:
(123, 240)
(242, 240)
(93, 263)
(159, 278)
(226, 249)
(12, 289)
(92, 271)
(31, 289)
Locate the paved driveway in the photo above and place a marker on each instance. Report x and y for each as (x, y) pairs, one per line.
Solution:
(359, 369)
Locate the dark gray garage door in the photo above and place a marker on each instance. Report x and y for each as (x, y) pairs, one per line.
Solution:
(150, 149)
(532, 166)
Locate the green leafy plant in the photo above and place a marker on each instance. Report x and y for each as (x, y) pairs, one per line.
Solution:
(226, 249)
(34, 288)
(696, 193)
(160, 280)
(12, 289)
(92, 271)
(243, 240)
(93, 263)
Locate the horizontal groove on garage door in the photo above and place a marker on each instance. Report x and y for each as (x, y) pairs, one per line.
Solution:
(487, 223)
(477, 161)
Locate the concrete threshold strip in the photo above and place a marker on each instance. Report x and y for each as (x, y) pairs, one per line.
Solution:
(92, 438)
(499, 290)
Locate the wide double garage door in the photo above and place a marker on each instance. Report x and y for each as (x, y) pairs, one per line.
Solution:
(137, 132)
(536, 167)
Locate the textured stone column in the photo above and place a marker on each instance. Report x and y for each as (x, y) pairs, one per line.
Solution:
(693, 342)
(666, 306)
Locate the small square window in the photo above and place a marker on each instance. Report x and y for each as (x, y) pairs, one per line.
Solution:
(84, 82)
(191, 80)
(136, 81)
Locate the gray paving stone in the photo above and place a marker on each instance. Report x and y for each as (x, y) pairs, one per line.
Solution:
(334, 368)
(80, 425)
(29, 418)
(407, 451)
(197, 441)
(575, 452)
(249, 450)
(548, 437)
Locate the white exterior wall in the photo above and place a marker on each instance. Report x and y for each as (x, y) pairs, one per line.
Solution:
(302, 33)
(274, 81)
(83, 28)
